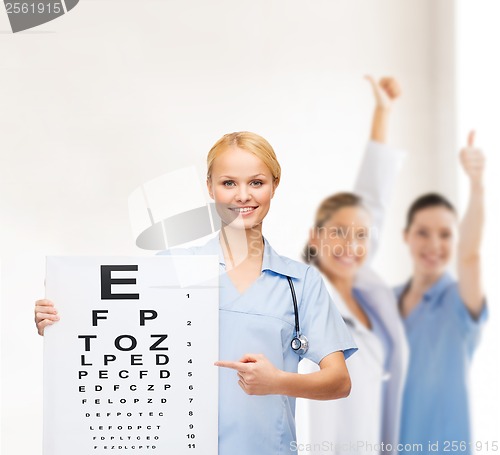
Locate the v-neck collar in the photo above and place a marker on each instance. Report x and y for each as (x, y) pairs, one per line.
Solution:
(271, 260)
(349, 318)
(430, 297)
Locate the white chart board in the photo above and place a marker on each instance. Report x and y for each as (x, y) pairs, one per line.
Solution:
(129, 368)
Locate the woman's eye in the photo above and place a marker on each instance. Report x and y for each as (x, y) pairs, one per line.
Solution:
(228, 183)
(422, 233)
(333, 233)
(342, 233)
(445, 235)
(256, 183)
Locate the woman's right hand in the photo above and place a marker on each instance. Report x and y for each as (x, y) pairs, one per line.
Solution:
(473, 160)
(385, 91)
(45, 314)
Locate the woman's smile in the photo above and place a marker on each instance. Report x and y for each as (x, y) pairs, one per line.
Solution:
(244, 211)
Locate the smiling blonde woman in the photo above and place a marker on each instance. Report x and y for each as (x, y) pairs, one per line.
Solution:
(258, 380)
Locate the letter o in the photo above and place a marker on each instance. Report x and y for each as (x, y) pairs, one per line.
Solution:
(118, 345)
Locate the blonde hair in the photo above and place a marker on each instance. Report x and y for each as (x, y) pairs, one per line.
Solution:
(250, 142)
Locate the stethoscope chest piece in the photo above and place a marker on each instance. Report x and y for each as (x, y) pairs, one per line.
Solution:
(300, 344)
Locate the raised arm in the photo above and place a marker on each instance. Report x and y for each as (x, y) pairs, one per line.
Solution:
(471, 230)
(381, 163)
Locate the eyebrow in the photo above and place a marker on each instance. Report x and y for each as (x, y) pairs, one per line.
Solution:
(229, 177)
(357, 226)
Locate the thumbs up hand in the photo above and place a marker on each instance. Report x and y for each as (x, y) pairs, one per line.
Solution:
(473, 160)
(385, 91)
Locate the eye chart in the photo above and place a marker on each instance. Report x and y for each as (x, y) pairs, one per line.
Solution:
(129, 368)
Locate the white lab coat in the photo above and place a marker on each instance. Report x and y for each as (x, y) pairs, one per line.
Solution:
(348, 426)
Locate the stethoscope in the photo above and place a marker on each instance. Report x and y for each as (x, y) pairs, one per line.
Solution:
(299, 343)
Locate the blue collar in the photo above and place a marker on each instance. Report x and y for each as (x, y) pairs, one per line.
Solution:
(271, 261)
(433, 294)
(436, 290)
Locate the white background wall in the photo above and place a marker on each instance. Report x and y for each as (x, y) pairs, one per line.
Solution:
(118, 92)
(478, 98)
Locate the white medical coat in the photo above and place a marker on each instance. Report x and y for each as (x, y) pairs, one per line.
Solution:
(368, 417)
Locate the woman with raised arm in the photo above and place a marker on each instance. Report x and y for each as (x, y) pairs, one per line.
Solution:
(443, 316)
(342, 244)
(262, 297)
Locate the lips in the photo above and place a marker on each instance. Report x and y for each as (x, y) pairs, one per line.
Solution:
(432, 259)
(346, 260)
(243, 210)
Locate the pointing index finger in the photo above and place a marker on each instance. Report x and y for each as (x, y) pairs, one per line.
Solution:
(238, 366)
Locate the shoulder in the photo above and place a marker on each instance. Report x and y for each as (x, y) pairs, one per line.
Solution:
(306, 278)
(446, 292)
(452, 298)
(305, 273)
(300, 269)
(283, 265)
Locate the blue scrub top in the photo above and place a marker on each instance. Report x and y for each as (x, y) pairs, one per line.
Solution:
(442, 336)
(261, 321)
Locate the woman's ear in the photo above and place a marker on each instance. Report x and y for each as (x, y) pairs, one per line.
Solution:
(405, 235)
(313, 237)
(312, 249)
(209, 188)
(275, 185)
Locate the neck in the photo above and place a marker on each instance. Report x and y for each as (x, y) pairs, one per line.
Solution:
(239, 245)
(344, 286)
(421, 281)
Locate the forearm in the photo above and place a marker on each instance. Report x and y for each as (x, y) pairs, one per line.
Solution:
(380, 124)
(471, 228)
(375, 183)
(469, 252)
(327, 384)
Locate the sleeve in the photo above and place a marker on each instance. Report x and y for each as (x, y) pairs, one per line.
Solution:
(321, 322)
(375, 184)
(470, 326)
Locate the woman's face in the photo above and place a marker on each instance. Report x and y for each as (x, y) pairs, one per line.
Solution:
(342, 242)
(431, 238)
(242, 187)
